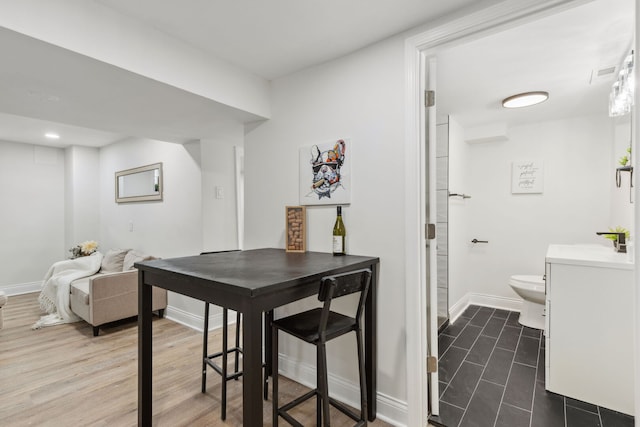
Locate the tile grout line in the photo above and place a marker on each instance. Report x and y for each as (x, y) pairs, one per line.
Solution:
(483, 368)
(535, 377)
(456, 372)
(564, 406)
(516, 407)
(509, 375)
(461, 363)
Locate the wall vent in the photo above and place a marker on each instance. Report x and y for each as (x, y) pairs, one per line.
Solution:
(606, 71)
(602, 74)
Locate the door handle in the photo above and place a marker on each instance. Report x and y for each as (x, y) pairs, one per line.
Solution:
(479, 241)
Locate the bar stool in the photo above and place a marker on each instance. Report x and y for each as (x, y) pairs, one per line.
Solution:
(222, 368)
(317, 326)
(208, 359)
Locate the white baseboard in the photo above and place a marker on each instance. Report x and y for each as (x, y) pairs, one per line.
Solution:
(389, 409)
(492, 301)
(458, 308)
(21, 288)
(195, 321)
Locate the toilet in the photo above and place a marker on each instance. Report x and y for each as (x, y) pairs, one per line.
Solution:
(531, 289)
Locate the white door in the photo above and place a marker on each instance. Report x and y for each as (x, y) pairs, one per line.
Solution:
(430, 255)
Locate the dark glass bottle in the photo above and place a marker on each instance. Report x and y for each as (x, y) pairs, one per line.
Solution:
(339, 234)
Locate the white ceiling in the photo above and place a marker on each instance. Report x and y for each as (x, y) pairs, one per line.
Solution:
(277, 37)
(557, 54)
(45, 88)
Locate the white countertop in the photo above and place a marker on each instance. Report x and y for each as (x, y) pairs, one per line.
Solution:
(589, 255)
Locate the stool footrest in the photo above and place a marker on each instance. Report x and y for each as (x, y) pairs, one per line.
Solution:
(213, 365)
(282, 411)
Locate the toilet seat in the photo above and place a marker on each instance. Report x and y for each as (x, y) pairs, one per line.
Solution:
(532, 282)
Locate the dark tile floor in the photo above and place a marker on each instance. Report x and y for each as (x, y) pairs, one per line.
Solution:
(492, 375)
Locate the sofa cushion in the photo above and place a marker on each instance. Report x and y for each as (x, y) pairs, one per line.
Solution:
(113, 260)
(132, 257)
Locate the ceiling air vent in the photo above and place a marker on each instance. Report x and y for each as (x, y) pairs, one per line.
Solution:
(602, 74)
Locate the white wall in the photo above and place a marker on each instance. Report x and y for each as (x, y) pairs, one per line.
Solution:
(621, 207)
(578, 174)
(189, 219)
(359, 97)
(219, 211)
(168, 228)
(82, 195)
(32, 214)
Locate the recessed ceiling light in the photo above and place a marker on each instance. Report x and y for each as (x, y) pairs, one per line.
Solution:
(525, 99)
(52, 135)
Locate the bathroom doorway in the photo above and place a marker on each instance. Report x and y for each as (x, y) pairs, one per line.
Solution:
(575, 56)
(432, 43)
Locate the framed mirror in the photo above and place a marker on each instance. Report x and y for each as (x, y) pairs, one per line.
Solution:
(139, 184)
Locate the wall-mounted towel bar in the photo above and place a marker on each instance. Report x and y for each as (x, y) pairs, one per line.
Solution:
(464, 196)
(479, 241)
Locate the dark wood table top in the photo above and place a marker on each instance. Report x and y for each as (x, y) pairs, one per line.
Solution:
(253, 273)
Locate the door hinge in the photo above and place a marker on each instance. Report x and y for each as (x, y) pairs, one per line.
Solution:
(430, 231)
(432, 364)
(429, 98)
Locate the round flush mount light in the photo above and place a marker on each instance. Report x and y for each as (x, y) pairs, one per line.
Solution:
(51, 135)
(525, 99)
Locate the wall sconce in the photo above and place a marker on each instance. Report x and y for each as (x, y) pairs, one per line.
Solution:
(621, 98)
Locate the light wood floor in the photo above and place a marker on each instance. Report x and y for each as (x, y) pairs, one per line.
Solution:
(63, 376)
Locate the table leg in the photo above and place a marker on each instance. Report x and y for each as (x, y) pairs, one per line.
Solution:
(370, 343)
(268, 317)
(144, 352)
(252, 366)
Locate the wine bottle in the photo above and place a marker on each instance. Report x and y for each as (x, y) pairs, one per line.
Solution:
(339, 233)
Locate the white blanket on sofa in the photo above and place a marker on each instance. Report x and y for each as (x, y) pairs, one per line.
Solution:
(54, 297)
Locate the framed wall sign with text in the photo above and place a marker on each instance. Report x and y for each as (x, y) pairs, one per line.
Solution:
(527, 176)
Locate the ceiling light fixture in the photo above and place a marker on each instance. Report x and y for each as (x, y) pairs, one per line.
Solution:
(525, 99)
(52, 135)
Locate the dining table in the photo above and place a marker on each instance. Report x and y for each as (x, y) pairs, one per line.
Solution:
(252, 282)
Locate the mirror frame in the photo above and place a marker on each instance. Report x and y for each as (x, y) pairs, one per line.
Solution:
(144, 197)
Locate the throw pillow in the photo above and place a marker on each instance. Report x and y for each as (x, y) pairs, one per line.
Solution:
(113, 260)
(132, 257)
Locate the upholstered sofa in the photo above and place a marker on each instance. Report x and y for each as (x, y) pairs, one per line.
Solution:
(112, 293)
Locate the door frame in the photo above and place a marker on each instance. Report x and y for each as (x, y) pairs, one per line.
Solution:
(418, 48)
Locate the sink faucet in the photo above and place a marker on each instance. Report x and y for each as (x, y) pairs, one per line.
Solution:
(620, 244)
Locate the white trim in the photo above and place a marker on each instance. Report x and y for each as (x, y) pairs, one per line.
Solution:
(493, 301)
(484, 300)
(635, 120)
(195, 321)
(469, 27)
(21, 288)
(239, 175)
(389, 409)
(458, 308)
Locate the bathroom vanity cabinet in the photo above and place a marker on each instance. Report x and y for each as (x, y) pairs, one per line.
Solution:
(590, 325)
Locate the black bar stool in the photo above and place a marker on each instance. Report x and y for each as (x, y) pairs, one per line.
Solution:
(222, 369)
(208, 359)
(316, 327)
